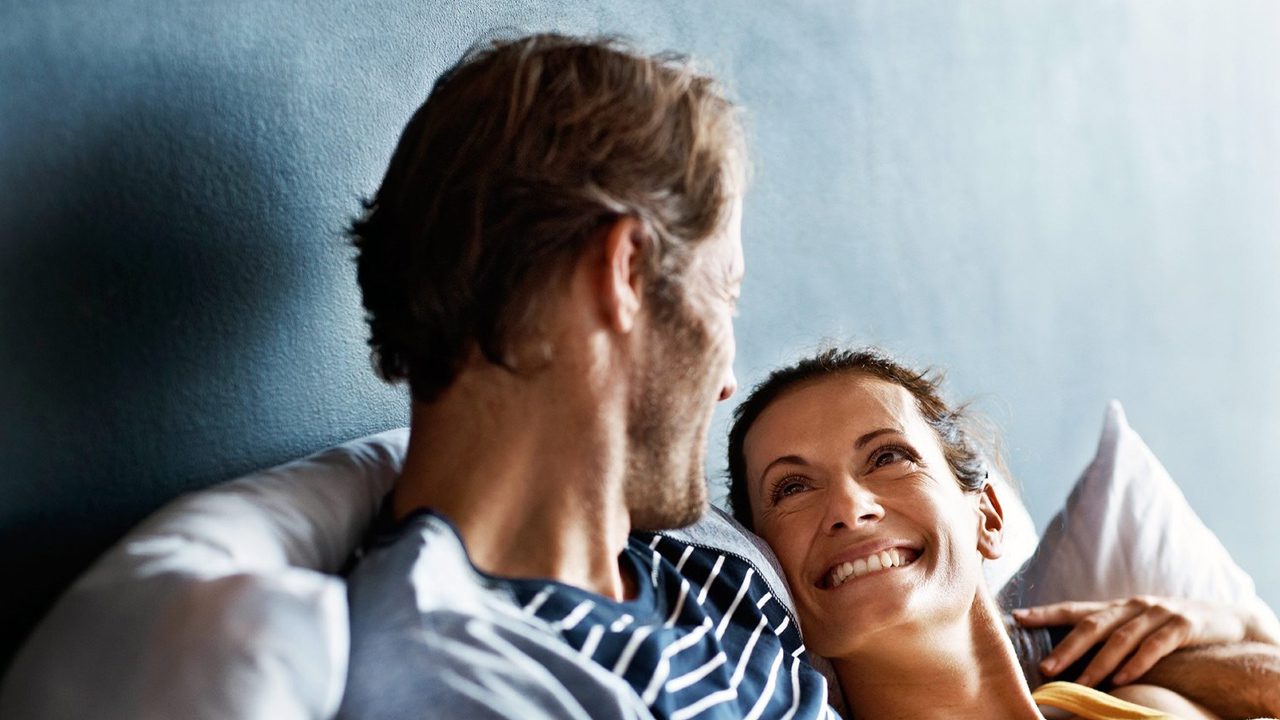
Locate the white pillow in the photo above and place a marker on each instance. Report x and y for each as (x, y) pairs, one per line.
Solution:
(218, 605)
(1127, 530)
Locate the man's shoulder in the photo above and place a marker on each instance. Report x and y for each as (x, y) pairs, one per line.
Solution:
(717, 531)
(428, 630)
(419, 560)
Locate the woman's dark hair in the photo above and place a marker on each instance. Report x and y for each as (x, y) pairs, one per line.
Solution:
(957, 430)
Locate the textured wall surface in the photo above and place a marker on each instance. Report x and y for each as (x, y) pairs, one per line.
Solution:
(1061, 202)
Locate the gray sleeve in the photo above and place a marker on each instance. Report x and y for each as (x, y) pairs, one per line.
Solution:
(429, 640)
(461, 666)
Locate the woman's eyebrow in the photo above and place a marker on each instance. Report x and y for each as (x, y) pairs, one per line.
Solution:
(784, 460)
(860, 443)
(863, 440)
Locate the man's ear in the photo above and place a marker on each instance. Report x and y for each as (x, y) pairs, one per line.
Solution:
(620, 278)
(991, 523)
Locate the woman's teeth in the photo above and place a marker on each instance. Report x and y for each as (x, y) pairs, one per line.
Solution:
(874, 562)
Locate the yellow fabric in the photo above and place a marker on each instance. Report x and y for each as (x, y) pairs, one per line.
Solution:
(1092, 704)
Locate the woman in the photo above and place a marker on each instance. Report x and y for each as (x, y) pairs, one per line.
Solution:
(874, 497)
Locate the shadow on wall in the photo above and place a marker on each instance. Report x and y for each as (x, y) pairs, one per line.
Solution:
(141, 258)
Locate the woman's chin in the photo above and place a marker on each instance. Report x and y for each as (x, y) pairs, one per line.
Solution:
(843, 617)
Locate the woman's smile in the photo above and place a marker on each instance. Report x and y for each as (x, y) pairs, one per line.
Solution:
(867, 565)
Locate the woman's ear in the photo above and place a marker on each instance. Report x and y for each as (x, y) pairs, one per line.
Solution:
(991, 523)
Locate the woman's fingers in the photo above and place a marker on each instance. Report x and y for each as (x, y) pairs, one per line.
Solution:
(1089, 631)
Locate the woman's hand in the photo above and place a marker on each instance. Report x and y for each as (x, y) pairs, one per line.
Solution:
(1142, 629)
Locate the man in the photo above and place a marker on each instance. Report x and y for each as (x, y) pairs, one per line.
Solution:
(552, 263)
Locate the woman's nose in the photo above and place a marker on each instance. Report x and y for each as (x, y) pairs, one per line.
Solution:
(852, 506)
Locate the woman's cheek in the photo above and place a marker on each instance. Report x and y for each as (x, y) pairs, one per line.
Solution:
(776, 536)
(795, 541)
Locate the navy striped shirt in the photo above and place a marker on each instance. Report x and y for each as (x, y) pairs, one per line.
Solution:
(704, 637)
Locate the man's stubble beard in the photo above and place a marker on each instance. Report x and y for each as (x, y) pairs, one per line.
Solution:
(668, 420)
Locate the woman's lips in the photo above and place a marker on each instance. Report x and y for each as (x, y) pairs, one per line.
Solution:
(867, 564)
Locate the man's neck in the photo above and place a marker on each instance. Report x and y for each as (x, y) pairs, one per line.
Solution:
(528, 479)
(966, 669)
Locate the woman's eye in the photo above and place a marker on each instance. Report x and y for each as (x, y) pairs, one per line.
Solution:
(889, 456)
(789, 487)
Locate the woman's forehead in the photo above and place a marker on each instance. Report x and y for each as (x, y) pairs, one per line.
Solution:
(826, 409)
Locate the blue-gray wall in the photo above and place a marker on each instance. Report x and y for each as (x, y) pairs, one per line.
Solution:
(1061, 202)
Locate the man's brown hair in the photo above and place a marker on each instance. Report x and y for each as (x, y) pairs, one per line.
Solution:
(521, 154)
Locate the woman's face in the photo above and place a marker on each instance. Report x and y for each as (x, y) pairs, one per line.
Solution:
(843, 475)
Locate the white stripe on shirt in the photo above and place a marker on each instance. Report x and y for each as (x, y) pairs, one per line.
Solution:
(795, 690)
(767, 693)
(675, 611)
(629, 652)
(715, 570)
(714, 698)
(537, 601)
(742, 590)
(664, 663)
(746, 653)
(568, 622)
(593, 641)
(782, 625)
(693, 676)
(684, 557)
